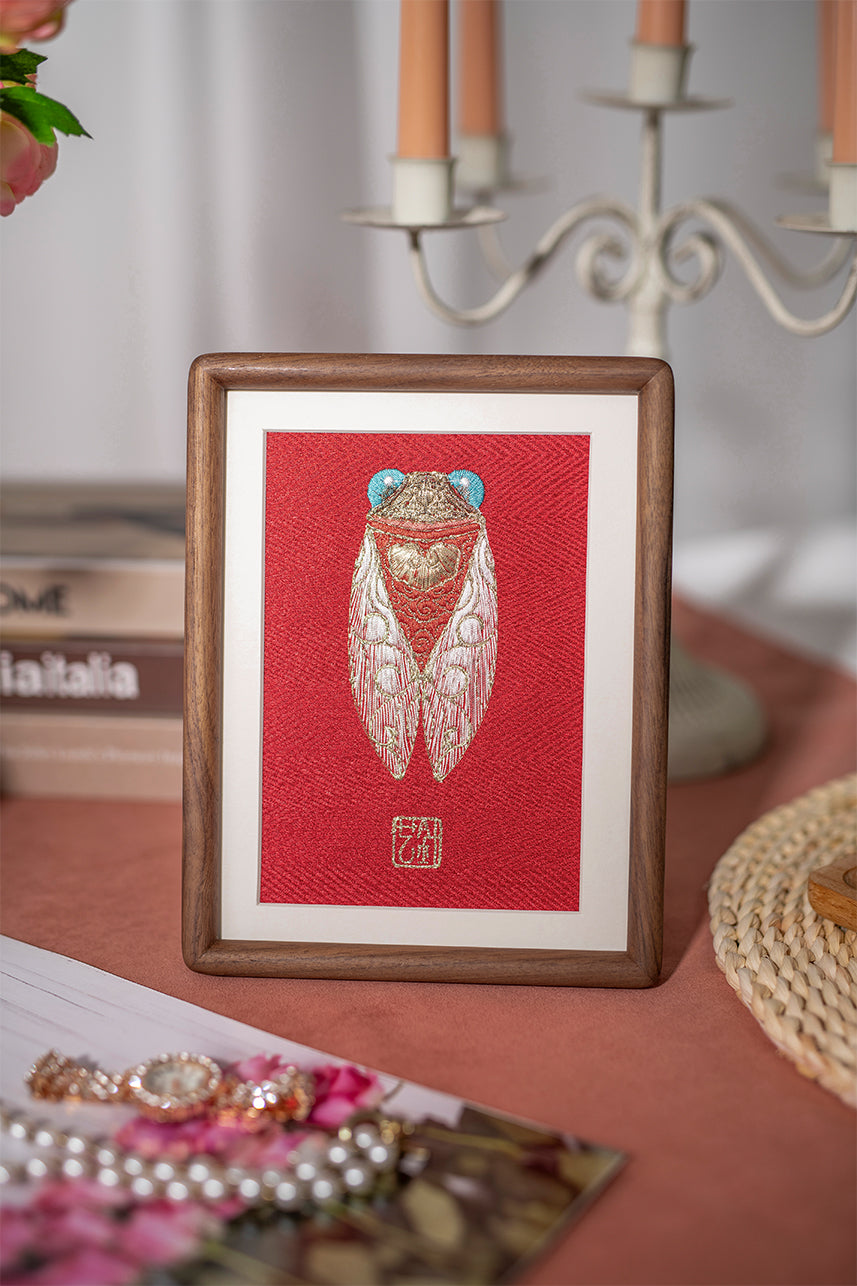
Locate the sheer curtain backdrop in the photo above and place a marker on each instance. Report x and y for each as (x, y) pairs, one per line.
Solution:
(203, 215)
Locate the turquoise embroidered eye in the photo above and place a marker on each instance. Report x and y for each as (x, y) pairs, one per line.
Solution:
(469, 484)
(383, 483)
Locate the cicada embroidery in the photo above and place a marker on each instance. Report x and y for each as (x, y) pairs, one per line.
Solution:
(423, 624)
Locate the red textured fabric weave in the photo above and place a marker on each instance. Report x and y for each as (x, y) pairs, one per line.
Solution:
(510, 809)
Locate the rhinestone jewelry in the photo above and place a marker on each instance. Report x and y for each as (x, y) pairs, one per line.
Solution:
(176, 1087)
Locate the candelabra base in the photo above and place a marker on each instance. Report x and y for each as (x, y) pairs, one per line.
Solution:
(716, 723)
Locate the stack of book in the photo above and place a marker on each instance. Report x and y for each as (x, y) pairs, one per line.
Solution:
(91, 640)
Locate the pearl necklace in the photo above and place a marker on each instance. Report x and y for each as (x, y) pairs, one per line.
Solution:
(320, 1169)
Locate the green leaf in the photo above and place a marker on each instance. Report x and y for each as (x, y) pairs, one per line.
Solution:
(40, 114)
(20, 65)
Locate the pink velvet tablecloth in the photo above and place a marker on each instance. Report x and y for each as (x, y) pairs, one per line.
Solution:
(740, 1170)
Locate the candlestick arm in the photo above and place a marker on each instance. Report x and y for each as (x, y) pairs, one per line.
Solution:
(493, 254)
(810, 278)
(596, 261)
(730, 230)
(699, 245)
(546, 248)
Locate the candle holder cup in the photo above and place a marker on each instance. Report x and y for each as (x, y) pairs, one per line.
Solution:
(483, 162)
(422, 189)
(658, 72)
(843, 196)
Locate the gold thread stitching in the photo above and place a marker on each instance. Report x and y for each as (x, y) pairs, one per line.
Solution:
(423, 570)
(432, 491)
(417, 842)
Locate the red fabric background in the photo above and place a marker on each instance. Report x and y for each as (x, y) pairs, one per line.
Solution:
(510, 809)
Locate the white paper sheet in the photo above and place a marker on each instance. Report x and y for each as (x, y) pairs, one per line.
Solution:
(52, 1002)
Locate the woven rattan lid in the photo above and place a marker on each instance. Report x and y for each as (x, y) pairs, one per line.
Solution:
(795, 971)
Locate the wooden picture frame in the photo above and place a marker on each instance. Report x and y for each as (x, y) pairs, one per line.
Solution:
(273, 760)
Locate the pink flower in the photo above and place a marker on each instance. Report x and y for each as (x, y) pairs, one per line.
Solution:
(16, 1234)
(340, 1091)
(22, 20)
(78, 1225)
(162, 1233)
(232, 1142)
(269, 1149)
(55, 1196)
(177, 1142)
(24, 163)
(261, 1067)
(66, 1236)
(77, 1233)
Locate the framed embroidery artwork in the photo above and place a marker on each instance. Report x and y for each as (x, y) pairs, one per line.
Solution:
(426, 667)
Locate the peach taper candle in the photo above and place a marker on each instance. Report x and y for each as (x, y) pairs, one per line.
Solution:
(843, 166)
(845, 84)
(480, 99)
(660, 22)
(825, 64)
(422, 167)
(482, 142)
(659, 52)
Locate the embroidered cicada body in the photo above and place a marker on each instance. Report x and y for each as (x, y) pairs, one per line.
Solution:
(422, 634)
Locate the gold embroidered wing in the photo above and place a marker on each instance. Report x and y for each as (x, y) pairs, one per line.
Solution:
(385, 679)
(460, 671)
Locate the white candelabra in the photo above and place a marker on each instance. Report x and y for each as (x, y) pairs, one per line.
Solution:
(715, 721)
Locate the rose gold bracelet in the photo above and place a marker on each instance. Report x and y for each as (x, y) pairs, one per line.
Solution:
(176, 1087)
